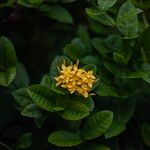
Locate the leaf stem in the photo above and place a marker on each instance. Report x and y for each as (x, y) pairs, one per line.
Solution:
(5, 146)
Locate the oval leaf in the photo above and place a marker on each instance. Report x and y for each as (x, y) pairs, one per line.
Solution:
(64, 138)
(42, 96)
(96, 125)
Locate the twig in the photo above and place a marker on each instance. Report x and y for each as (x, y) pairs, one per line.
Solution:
(5, 146)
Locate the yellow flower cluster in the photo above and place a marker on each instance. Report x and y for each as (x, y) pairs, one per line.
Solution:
(75, 79)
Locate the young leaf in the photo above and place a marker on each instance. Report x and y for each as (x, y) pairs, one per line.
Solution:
(31, 110)
(104, 5)
(127, 22)
(22, 97)
(74, 110)
(97, 125)
(24, 141)
(64, 138)
(42, 96)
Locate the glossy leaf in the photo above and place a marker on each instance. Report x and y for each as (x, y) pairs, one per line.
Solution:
(106, 90)
(101, 17)
(42, 96)
(64, 138)
(97, 125)
(104, 5)
(7, 61)
(22, 97)
(58, 13)
(74, 110)
(31, 110)
(127, 22)
(24, 141)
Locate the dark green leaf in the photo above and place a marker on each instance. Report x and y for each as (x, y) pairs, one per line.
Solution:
(74, 110)
(7, 53)
(7, 61)
(101, 17)
(46, 81)
(58, 13)
(104, 5)
(42, 96)
(31, 110)
(106, 90)
(97, 125)
(24, 141)
(7, 76)
(21, 79)
(75, 49)
(64, 138)
(127, 22)
(146, 133)
(90, 60)
(22, 97)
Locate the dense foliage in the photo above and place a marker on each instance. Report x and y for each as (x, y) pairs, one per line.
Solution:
(74, 74)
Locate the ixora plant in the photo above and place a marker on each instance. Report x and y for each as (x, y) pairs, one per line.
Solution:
(113, 67)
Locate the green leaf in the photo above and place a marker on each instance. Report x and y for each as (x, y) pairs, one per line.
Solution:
(106, 90)
(96, 147)
(46, 81)
(101, 17)
(67, 1)
(42, 96)
(90, 60)
(146, 133)
(25, 3)
(31, 110)
(8, 61)
(146, 68)
(7, 76)
(90, 67)
(115, 130)
(143, 40)
(104, 5)
(57, 62)
(22, 97)
(83, 34)
(35, 2)
(7, 53)
(123, 111)
(114, 42)
(101, 46)
(39, 121)
(58, 13)
(74, 110)
(22, 78)
(75, 49)
(24, 141)
(127, 22)
(97, 125)
(64, 138)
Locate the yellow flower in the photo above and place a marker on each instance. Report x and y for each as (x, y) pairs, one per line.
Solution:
(75, 79)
